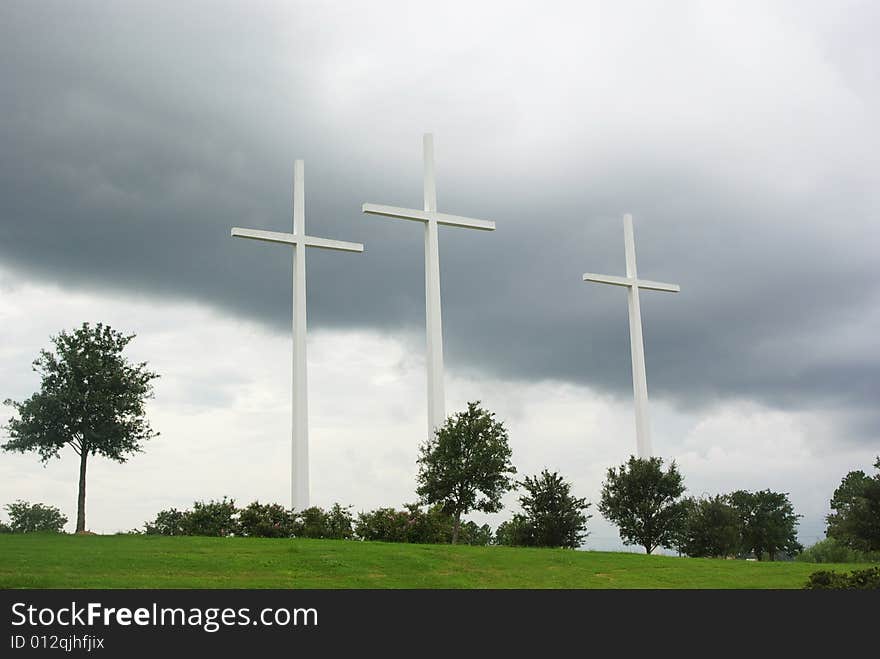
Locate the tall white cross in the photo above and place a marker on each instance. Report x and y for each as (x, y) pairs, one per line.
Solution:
(434, 325)
(637, 345)
(299, 471)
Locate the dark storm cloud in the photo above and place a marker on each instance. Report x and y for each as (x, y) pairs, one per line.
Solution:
(134, 138)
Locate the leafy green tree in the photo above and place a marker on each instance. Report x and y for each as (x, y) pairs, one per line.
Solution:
(831, 550)
(27, 517)
(769, 523)
(339, 522)
(855, 521)
(554, 517)
(644, 502)
(269, 520)
(167, 522)
(712, 527)
(474, 534)
(91, 399)
(213, 518)
(466, 465)
(515, 532)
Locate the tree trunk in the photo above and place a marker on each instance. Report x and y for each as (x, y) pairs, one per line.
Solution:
(81, 500)
(648, 549)
(455, 528)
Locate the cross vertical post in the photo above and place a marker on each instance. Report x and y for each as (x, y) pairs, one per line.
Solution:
(433, 321)
(433, 313)
(636, 341)
(299, 240)
(299, 485)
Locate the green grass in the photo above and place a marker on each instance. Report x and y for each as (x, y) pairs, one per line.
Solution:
(67, 561)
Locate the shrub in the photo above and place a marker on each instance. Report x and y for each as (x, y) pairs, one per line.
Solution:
(383, 524)
(27, 517)
(471, 534)
(167, 522)
(415, 525)
(214, 518)
(4, 528)
(312, 523)
(517, 532)
(856, 580)
(339, 522)
(269, 520)
(831, 550)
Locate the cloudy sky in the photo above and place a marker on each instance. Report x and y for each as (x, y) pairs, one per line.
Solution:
(741, 136)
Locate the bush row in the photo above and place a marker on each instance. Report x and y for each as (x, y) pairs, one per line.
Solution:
(222, 518)
(856, 580)
(25, 517)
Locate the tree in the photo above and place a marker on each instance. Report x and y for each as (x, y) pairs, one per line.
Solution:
(91, 399)
(27, 517)
(712, 528)
(769, 523)
(554, 517)
(466, 465)
(644, 502)
(515, 532)
(855, 521)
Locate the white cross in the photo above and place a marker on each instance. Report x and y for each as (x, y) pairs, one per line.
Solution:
(434, 325)
(299, 486)
(637, 346)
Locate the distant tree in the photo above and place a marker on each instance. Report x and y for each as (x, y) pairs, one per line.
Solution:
(855, 521)
(27, 517)
(213, 518)
(554, 517)
(167, 522)
(91, 398)
(339, 522)
(466, 465)
(644, 502)
(769, 523)
(475, 534)
(712, 527)
(269, 520)
(516, 532)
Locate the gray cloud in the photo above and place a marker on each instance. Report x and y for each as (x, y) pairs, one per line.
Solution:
(745, 146)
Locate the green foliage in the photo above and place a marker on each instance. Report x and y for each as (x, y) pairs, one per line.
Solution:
(415, 525)
(27, 517)
(214, 518)
(312, 523)
(712, 528)
(472, 534)
(831, 550)
(856, 580)
(553, 517)
(769, 523)
(516, 532)
(644, 502)
(5, 528)
(269, 520)
(382, 524)
(466, 465)
(339, 523)
(431, 526)
(167, 522)
(855, 521)
(91, 399)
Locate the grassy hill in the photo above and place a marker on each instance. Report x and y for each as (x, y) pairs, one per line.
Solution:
(66, 561)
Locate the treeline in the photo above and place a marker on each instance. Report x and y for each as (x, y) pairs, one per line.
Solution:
(222, 518)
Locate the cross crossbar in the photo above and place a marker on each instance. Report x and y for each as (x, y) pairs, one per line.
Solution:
(427, 216)
(295, 239)
(629, 281)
